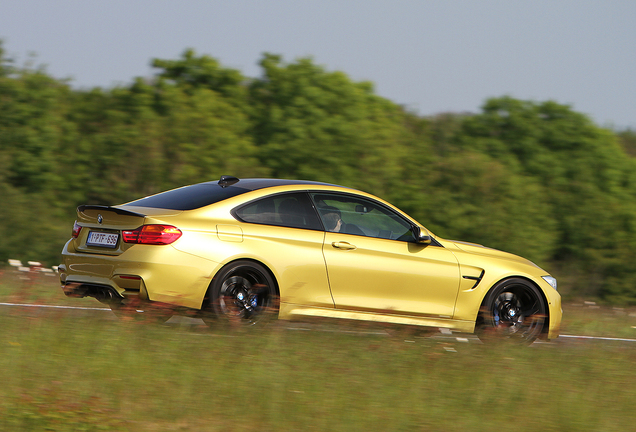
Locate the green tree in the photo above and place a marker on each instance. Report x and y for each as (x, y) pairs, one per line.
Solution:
(192, 72)
(313, 124)
(33, 129)
(587, 182)
(627, 139)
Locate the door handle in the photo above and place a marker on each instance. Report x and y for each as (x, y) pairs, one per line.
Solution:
(343, 245)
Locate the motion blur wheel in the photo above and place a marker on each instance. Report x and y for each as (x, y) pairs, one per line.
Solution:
(514, 310)
(242, 293)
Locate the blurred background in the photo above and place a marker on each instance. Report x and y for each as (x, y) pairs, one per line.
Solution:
(510, 124)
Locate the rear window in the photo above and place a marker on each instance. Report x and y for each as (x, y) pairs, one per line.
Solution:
(292, 210)
(190, 197)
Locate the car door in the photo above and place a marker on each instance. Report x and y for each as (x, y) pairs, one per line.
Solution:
(374, 264)
(283, 231)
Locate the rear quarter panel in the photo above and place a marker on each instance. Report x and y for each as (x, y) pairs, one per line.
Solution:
(294, 256)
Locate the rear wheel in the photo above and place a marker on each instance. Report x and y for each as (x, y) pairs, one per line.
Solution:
(243, 293)
(513, 310)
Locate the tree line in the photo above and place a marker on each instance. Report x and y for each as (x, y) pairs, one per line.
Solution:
(534, 178)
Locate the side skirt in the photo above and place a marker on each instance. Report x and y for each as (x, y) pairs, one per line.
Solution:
(290, 312)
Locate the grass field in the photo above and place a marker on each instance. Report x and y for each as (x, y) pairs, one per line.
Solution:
(70, 372)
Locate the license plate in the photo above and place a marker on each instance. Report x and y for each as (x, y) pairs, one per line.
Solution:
(102, 239)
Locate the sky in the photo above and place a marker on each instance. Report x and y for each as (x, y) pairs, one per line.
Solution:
(429, 56)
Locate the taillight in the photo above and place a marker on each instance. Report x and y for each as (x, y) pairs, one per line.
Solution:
(152, 235)
(76, 230)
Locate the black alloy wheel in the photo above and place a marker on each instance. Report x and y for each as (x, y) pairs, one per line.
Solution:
(242, 293)
(514, 310)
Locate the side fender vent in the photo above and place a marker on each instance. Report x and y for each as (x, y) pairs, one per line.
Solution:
(476, 279)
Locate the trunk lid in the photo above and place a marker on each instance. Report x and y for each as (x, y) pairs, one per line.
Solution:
(102, 226)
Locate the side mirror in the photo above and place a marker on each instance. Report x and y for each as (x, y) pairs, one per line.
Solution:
(421, 234)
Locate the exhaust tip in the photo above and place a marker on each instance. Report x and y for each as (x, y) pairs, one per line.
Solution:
(73, 289)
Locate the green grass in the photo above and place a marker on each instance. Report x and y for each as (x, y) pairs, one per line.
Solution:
(36, 288)
(592, 320)
(66, 372)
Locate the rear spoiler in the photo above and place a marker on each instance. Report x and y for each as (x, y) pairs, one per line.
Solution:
(119, 211)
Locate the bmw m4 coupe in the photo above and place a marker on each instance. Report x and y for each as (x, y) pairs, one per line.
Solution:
(245, 249)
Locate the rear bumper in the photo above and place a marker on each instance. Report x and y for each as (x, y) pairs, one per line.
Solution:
(156, 273)
(103, 293)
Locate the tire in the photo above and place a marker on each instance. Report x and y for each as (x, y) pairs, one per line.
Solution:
(513, 310)
(242, 293)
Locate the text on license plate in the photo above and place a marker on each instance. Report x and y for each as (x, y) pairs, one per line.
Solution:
(102, 239)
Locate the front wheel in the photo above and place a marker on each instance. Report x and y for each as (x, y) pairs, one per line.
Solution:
(513, 310)
(244, 293)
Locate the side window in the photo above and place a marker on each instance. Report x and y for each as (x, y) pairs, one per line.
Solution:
(358, 216)
(292, 210)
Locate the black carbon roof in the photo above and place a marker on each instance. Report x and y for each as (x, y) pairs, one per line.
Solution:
(203, 194)
(261, 183)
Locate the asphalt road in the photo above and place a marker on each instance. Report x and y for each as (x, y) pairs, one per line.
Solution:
(442, 334)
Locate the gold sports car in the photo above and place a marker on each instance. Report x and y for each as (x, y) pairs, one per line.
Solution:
(244, 249)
